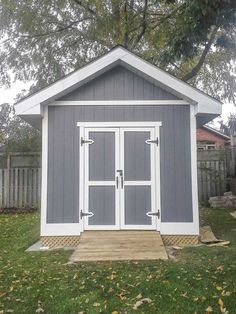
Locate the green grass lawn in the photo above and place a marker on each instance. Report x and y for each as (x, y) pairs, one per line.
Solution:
(41, 281)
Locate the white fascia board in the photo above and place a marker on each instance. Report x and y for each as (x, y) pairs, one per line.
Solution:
(30, 110)
(67, 82)
(206, 104)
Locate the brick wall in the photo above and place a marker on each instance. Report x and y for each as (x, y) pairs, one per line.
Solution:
(205, 135)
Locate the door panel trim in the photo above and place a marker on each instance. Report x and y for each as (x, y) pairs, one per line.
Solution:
(100, 183)
(138, 124)
(151, 182)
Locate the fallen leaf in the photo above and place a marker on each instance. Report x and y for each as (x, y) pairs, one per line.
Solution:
(208, 310)
(226, 293)
(184, 295)
(140, 302)
(122, 295)
(219, 288)
(115, 312)
(139, 296)
(96, 304)
(137, 305)
(220, 302)
(221, 267)
(146, 300)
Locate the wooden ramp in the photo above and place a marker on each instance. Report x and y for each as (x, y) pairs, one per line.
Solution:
(119, 246)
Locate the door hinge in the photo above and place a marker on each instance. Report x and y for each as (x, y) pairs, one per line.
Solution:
(149, 214)
(156, 141)
(83, 141)
(88, 214)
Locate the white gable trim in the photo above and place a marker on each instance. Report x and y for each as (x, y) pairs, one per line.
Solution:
(205, 104)
(119, 103)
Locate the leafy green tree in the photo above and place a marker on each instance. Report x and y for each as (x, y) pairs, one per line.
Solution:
(15, 134)
(193, 39)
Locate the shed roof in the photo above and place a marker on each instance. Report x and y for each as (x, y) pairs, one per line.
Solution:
(205, 104)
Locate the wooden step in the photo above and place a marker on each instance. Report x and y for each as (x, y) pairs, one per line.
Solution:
(119, 245)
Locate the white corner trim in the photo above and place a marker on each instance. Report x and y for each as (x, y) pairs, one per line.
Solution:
(179, 228)
(206, 104)
(119, 103)
(193, 139)
(44, 169)
(64, 229)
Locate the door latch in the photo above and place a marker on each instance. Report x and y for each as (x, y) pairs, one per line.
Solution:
(149, 214)
(88, 214)
(121, 178)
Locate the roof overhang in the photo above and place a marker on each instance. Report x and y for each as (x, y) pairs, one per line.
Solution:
(205, 105)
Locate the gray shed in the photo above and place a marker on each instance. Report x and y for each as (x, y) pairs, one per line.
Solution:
(119, 150)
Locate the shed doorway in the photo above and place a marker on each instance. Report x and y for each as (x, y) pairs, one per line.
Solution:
(120, 178)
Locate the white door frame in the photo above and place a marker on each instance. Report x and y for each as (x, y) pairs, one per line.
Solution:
(99, 126)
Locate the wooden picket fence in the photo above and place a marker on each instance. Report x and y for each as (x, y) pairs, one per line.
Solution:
(212, 178)
(20, 187)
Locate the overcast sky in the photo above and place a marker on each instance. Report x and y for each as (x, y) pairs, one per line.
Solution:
(8, 95)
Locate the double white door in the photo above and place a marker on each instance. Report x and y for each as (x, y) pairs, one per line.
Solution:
(121, 181)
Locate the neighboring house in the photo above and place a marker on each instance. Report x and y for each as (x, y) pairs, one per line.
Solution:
(209, 138)
(119, 150)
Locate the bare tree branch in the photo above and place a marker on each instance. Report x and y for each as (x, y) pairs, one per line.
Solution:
(126, 36)
(143, 25)
(86, 7)
(60, 29)
(198, 66)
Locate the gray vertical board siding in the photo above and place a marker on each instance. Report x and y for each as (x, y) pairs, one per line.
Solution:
(118, 84)
(175, 155)
(63, 167)
(136, 156)
(102, 204)
(137, 204)
(102, 156)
